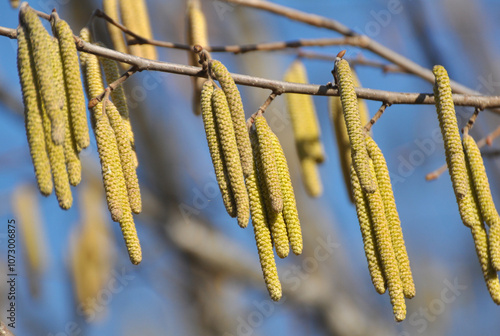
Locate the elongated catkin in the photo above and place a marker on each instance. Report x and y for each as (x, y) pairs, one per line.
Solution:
(263, 237)
(275, 220)
(73, 83)
(231, 156)
(215, 149)
(196, 35)
(110, 7)
(290, 213)
(42, 48)
(311, 177)
(33, 113)
(483, 193)
(268, 160)
(392, 216)
(237, 115)
(134, 14)
(368, 235)
(352, 119)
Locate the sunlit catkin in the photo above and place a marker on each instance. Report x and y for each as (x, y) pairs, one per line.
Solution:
(268, 160)
(290, 214)
(134, 14)
(33, 114)
(74, 88)
(483, 193)
(110, 7)
(392, 216)
(449, 130)
(311, 177)
(231, 156)
(352, 119)
(386, 251)
(215, 149)
(263, 237)
(237, 114)
(42, 48)
(368, 235)
(196, 35)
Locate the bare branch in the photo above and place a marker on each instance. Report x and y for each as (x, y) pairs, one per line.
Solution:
(261, 109)
(94, 101)
(376, 117)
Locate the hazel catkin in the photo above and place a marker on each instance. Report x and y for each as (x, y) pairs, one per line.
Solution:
(134, 14)
(110, 7)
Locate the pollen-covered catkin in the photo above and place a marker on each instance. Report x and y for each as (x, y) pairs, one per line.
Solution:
(42, 48)
(263, 237)
(483, 193)
(275, 220)
(196, 35)
(134, 14)
(392, 216)
(33, 114)
(215, 149)
(449, 130)
(231, 156)
(386, 251)
(73, 83)
(352, 119)
(110, 7)
(237, 115)
(290, 214)
(311, 177)
(268, 160)
(368, 235)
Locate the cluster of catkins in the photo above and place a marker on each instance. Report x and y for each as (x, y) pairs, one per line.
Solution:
(56, 120)
(252, 173)
(370, 182)
(470, 184)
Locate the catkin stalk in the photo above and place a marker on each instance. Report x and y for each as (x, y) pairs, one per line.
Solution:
(352, 119)
(392, 216)
(231, 156)
(33, 114)
(215, 149)
(237, 114)
(368, 235)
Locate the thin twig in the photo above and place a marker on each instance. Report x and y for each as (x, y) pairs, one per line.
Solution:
(376, 117)
(471, 121)
(262, 108)
(94, 101)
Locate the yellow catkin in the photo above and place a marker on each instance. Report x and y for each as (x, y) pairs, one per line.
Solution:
(290, 213)
(126, 157)
(386, 251)
(483, 193)
(352, 119)
(215, 149)
(130, 236)
(237, 114)
(196, 35)
(305, 124)
(275, 220)
(27, 213)
(42, 48)
(135, 17)
(263, 237)
(343, 144)
(449, 130)
(33, 114)
(110, 7)
(311, 177)
(231, 156)
(392, 216)
(368, 235)
(269, 167)
(74, 88)
(73, 165)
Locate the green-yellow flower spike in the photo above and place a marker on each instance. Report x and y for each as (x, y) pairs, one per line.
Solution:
(483, 192)
(352, 119)
(110, 7)
(290, 213)
(130, 236)
(215, 148)
(33, 113)
(386, 251)
(392, 216)
(268, 160)
(311, 177)
(369, 241)
(237, 114)
(449, 129)
(91, 69)
(42, 48)
(74, 88)
(134, 14)
(231, 156)
(263, 237)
